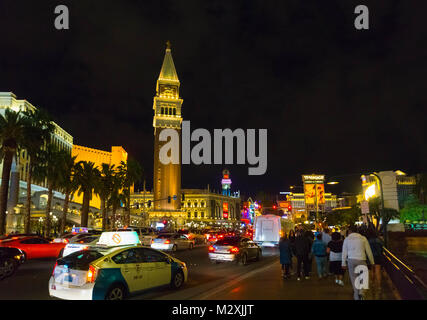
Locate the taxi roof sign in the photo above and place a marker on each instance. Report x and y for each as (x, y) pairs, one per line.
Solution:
(118, 238)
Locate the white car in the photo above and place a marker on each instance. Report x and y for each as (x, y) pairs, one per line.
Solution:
(81, 244)
(146, 235)
(172, 242)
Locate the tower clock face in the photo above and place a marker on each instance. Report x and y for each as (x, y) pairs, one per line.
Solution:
(168, 90)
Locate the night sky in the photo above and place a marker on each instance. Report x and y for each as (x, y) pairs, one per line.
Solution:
(335, 100)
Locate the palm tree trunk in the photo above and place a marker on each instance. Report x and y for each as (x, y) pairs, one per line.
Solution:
(4, 189)
(103, 213)
(128, 209)
(113, 219)
(64, 212)
(85, 209)
(28, 205)
(48, 210)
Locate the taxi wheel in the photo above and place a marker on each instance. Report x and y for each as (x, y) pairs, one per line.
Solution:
(117, 292)
(178, 280)
(258, 255)
(191, 246)
(174, 248)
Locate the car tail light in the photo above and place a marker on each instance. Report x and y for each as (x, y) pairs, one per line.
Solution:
(53, 272)
(91, 274)
(234, 250)
(167, 241)
(152, 241)
(65, 241)
(211, 249)
(85, 248)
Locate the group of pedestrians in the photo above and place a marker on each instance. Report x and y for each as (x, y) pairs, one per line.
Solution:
(334, 254)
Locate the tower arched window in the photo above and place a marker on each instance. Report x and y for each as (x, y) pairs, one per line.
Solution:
(162, 110)
(174, 111)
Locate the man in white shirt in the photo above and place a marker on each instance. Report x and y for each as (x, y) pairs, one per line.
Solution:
(356, 250)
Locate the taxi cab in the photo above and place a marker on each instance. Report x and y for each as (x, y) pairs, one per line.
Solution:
(117, 267)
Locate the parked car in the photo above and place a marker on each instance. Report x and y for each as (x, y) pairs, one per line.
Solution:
(234, 249)
(10, 260)
(172, 242)
(34, 247)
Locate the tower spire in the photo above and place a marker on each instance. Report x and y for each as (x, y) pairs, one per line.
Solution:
(168, 71)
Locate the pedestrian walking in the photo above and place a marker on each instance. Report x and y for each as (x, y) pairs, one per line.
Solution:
(326, 238)
(285, 255)
(302, 249)
(319, 251)
(377, 251)
(310, 236)
(334, 250)
(356, 250)
(292, 242)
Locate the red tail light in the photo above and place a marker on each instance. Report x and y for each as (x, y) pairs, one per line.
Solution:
(53, 272)
(65, 241)
(167, 241)
(211, 249)
(234, 250)
(91, 274)
(152, 241)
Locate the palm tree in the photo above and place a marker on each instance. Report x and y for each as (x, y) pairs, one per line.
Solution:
(131, 173)
(105, 184)
(87, 177)
(421, 187)
(48, 170)
(67, 183)
(12, 126)
(36, 134)
(116, 197)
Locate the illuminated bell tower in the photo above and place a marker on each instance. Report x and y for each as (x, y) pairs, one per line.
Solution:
(167, 115)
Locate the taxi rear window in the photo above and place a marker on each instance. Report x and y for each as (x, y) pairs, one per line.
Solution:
(80, 260)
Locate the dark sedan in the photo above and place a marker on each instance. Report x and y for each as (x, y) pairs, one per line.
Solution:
(234, 249)
(10, 259)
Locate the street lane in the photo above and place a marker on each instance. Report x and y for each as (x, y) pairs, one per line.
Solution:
(31, 280)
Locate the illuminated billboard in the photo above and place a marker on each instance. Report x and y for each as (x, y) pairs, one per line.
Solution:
(225, 210)
(311, 183)
(310, 193)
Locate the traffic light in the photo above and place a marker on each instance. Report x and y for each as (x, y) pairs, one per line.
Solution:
(274, 207)
(289, 208)
(169, 199)
(165, 222)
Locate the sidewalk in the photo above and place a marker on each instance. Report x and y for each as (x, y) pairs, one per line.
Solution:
(269, 285)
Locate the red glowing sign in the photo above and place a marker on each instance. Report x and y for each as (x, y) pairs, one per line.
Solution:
(225, 210)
